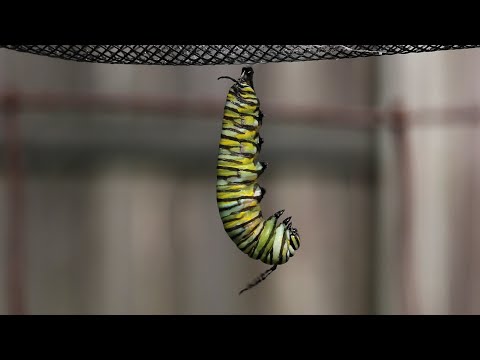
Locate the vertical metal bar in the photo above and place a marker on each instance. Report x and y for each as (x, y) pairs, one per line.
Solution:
(374, 251)
(462, 236)
(409, 291)
(15, 205)
(471, 251)
(373, 285)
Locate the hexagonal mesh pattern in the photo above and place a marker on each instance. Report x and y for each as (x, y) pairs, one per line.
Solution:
(219, 54)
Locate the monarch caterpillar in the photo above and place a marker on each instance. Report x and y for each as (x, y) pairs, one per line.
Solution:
(238, 193)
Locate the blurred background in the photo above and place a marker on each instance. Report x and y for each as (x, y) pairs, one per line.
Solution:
(108, 173)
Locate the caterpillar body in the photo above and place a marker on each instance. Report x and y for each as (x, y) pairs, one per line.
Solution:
(238, 192)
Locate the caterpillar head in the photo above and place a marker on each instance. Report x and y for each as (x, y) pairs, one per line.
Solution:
(295, 238)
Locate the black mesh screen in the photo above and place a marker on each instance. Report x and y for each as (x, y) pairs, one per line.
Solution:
(219, 54)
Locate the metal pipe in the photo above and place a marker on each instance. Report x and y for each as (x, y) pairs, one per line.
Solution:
(15, 202)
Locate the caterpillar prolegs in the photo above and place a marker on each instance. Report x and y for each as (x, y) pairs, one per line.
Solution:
(238, 193)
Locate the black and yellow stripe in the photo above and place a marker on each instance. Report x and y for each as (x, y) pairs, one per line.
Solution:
(238, 193)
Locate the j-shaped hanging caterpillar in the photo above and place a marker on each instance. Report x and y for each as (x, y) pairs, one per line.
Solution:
(238, 193)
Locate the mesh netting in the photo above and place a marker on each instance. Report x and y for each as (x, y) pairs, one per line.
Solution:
(219, 54)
